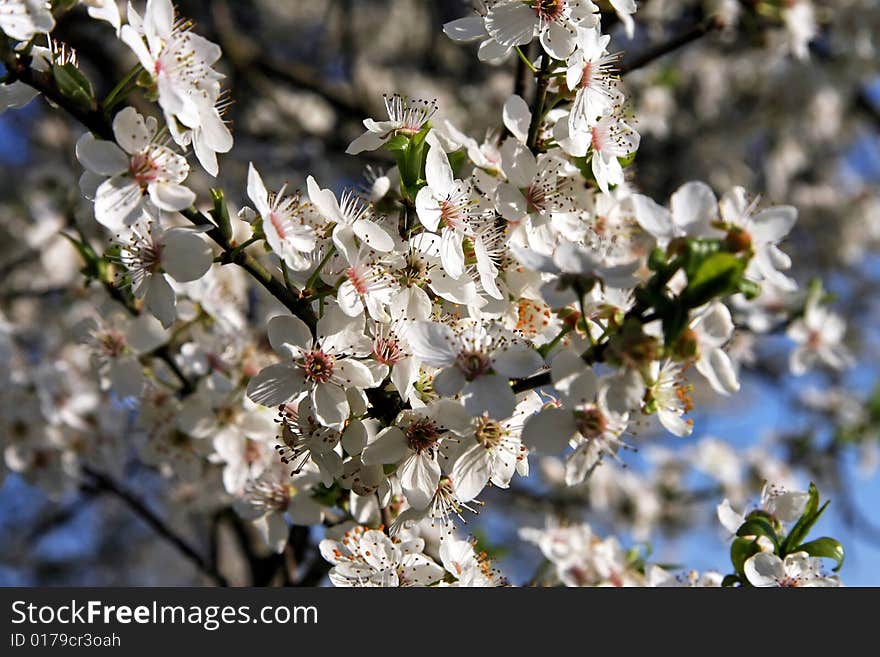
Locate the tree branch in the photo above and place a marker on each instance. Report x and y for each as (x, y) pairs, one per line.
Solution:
(106, 483)
(100, 124)
(681, 39)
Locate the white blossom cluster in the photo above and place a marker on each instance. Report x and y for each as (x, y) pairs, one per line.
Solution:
(482, 302)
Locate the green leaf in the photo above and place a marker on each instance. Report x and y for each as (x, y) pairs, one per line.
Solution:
(92, 268)
(221, 213)
(802, 527)
(829, 548)
(73, 85)
(740, 551)
(717, 275)
(730, 580)
(759, 527)
(657, 259)
(750, 290)
(675, 320)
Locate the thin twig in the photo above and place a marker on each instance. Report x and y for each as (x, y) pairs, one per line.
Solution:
(683, 38)
(107, 483)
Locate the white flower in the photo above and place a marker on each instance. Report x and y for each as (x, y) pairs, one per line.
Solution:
(491, 450)
(692, 209)
(762, 231)
(713, 328)
(669, 397)
(303, 440)
(105, 10)
(151, 252)
(322, 367)
(535, 187)
(116, 341)
(287, 234)
(276, 494)
(766, 569)
(583, 419)
(819, 336)
(469, 569)
(368, 284)
(783, 504)
(450, 207)
(121, 179)
(516, 22)
(242, 433)
(22, 19)
(180, 63)
(607, 140)
(590, 76)
(405, 117)
(368, 558)
(352, 218)
(413, 444)
(475, 362)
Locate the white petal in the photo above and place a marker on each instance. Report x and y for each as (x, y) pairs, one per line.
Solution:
(131, 131)
(469, 28)
(471, 472)
(117, 202)
(331, 405)
(171, 197)
(160, 300)
(550, 430)
(764, 569)
(428, 208)
(448, 382)
(490, 394)
(438, 173)
(694, 207)
(99, 156)
(186, 256)
(516, 361)
(390, 446)
(517, 116)
(288, 335)
(257, 190)
(275, 385)
(433, 343)
(718, 370)
(419, 477)
(373, 235)
(773, 224)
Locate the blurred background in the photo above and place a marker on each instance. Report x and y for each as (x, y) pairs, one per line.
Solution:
(732, 108)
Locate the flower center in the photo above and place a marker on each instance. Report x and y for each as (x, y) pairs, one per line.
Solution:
(318, 366)
(489, 433)
(587, 75)
(143, 169)
(450, 213)
(278, 225)
(358, 280)
(422, 434)
(252, 451)
(597, 139)
(549, 10)
(473, 364)
(112, 343)
(591, 423)
(536, 197)
(387, 350)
